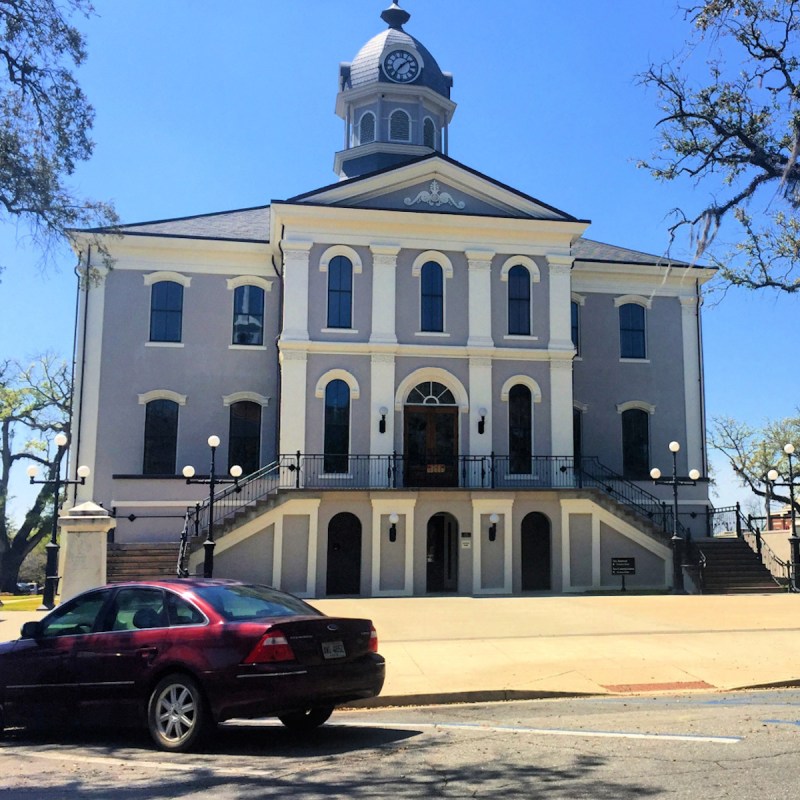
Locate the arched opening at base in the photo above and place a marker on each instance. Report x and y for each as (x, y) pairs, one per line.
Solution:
(344, 555)
(536, 553)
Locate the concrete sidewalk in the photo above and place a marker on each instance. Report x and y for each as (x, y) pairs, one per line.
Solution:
(448, 649)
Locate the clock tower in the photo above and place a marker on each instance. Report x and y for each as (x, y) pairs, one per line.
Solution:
(394, 100)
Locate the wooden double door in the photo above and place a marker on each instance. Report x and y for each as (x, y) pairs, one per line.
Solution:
(431, 445)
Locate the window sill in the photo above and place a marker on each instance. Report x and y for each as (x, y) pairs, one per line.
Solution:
(336, 476)
(634, 360)
(518, 337)
(438, 334)
(339, 330)
(163, 344)
(247, 347)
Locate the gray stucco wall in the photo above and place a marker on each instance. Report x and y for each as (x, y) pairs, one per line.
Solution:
(649, 567)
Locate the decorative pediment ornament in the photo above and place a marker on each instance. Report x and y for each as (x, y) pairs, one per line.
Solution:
(433, 197)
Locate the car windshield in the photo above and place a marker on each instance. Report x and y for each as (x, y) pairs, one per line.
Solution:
(243, 602)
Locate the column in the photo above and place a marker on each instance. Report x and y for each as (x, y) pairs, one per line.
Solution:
(84, 548)
(384, 280)
(559, 268)
(293, 401)
(480, 293)
(296, 255)
(561, 442)
(480, 396)
(692, 387)
(382, 390)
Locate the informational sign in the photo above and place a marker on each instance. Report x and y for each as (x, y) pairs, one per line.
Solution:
(466, 540)
(623, 566)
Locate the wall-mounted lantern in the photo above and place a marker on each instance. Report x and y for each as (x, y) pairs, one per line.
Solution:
(482, 412)
(383, 411)
(393, 520)
(494, 519)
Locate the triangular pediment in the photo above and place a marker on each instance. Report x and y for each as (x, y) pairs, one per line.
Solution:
(433, 184)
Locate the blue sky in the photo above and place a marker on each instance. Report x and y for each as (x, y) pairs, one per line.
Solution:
(203, 106)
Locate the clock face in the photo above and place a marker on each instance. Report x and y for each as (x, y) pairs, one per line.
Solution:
(401, 66)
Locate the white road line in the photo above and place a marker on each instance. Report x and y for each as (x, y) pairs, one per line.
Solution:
(672, 737)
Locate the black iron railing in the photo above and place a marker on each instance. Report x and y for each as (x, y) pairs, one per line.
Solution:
(396, 471)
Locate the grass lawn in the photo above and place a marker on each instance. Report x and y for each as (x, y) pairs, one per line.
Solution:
(26, 602)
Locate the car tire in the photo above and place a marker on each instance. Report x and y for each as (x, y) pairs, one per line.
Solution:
(177, 715)
(306, 720)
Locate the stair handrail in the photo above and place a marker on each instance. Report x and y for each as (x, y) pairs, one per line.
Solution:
(183, 551)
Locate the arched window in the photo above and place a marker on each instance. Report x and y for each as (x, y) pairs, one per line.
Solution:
(340, 292)
(160, 437)
(248, 315)
(166, 311)
(632, 340)
(432, 297)
(337, 427)
(519, 301)
(520, 430)
(245, 436)
(429, 133)
(399, 126)
(366, 128)
(635, 444)
(430, 393)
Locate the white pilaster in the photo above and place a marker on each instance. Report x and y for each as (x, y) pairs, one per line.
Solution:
(382, 396)
(692, 389)
(296, 255)
(313, 542)
(384, 302)
(596, 565)
(559, 268)
(561, 407)
(480, 396)
(293, 401)
(404, 508)
(277, 552)
(480, 292)
(483, 507)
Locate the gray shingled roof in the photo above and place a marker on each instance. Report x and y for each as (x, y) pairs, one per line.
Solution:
(589, 250)
(245, 225)
(366, 66)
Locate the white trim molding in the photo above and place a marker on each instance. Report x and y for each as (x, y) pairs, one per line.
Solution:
(578, 298)
(164, 275)
(639, 405)
(337, 375)
(431, 374)
(245, 397)
(341, 250)
(525, 380)
(522, 261)
(639, 300)
(249, 280)
(432, 255)
(162, 394)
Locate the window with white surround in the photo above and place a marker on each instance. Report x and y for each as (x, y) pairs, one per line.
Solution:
(244, 448)
(432, 297)
(340, 292)
(166, 311)
(337, 427)
(366, 128)
(248, 315)
(399, 126)
(160, 437)
(519, 301)
(632, 326)
(635, 443)
(520, 430)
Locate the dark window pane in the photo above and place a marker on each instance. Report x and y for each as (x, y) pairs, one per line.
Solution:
(337, 426)
(577, 435)
(160, 437)
(631, 331)
(576, 326)
(635, 444)
(245, 436)
(520, 423)
(340, 292)
(179, 612)
(248, 315)
(432, 297)
(399, 126)
(429, 133)
(519, 301)
(367, 127)
(166, 311)
(75, 617)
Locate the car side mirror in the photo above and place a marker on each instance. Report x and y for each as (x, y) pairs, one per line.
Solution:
(31, 630)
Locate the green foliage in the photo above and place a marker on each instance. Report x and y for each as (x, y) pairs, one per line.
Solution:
(737, 137)
(45, 119)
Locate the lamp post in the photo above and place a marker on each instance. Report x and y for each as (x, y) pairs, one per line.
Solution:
(794, 539)
(188, 472)
(51, 565)
(675, 481)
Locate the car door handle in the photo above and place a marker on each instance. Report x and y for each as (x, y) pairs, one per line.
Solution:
(148, 653)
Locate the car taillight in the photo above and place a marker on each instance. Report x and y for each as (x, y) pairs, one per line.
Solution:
(272, 647)
(373, 640)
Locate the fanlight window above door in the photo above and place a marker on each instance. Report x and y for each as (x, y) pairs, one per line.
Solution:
(431, 393)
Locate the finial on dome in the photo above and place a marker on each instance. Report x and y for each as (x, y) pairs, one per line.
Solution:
(395, 17)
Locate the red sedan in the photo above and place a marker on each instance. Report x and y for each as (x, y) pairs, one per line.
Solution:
(183, 655)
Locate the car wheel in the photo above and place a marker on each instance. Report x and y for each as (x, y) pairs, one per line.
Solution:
(306, 720)
(176, 714)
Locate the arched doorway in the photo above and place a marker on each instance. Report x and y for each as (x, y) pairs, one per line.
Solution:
(344, 555)
(431, 436)
(442, 554)
(536, 553)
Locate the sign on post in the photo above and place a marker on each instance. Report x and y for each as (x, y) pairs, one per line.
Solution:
(623, 566)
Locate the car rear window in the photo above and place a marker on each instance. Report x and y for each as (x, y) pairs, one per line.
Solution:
(244, 602)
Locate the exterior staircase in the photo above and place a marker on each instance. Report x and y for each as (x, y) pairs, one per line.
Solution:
(141, 561)
(733, 567)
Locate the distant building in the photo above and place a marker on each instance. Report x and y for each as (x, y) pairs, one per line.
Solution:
(432, 381)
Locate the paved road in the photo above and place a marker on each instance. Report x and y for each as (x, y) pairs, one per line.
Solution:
(714, 746)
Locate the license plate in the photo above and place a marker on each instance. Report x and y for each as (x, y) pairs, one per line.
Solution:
(333, 650)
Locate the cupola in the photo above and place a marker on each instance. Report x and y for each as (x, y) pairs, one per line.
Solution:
(394, 100)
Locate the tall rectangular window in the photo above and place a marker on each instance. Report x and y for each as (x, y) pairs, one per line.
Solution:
(337, 426)
(248, 315)
(160, 437)
(575, 314)
(244, 448)
(166, 311)
(632, 331)
(519, 301)
(635, 444)
(520, 430)
(340, 293)
(432, 297)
